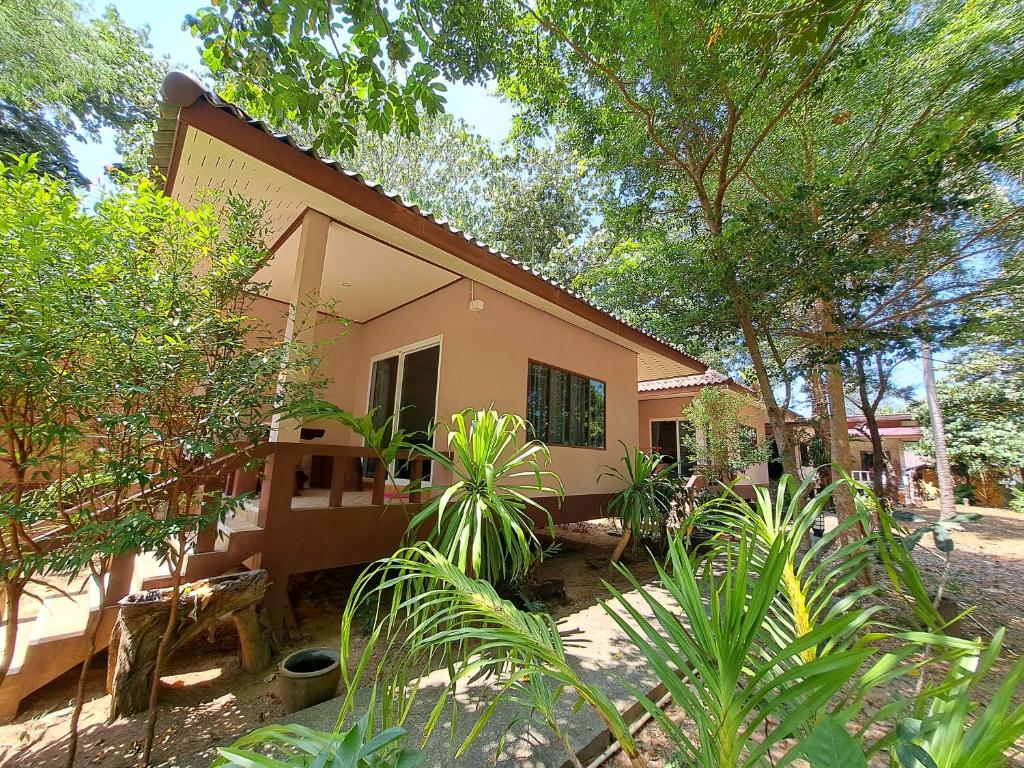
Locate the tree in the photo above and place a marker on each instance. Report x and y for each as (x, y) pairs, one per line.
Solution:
(873, 378)
(721, 443)
(543, 200)
(938, 434)
(66, 76)
(293, 63)
(983, 420)
(131, 364)
(444, 168)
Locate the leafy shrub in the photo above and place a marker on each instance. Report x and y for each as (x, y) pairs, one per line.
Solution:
(481, 517)
(964, 494)
(1017, 499)
(643, 504)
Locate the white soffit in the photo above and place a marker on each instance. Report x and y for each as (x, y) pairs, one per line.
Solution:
(362, 278)
(208, 163)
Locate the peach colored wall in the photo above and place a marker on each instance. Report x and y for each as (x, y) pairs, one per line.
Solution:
(672, 408)
(484, 359)
(891, 444)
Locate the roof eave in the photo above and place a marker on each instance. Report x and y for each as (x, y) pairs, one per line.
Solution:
(206, 112)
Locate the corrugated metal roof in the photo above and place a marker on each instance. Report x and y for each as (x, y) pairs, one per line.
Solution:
(904, 433)
(236, 111)
(708, 378)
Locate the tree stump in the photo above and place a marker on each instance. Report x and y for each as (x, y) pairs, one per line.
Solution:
(143, 618)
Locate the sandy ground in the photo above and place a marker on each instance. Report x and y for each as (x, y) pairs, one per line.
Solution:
(987, 572)
(207, 698)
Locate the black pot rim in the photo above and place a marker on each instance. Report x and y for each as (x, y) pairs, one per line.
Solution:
(330, 652)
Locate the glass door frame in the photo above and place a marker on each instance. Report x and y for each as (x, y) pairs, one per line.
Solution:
(401, 353)
(650, 436)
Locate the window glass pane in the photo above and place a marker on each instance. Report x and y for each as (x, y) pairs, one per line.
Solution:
(663, 438)
(419, 391)
(596, 417)
(383, 379)
(537, 402)
(419, 398)
(559, 410)
(578, 410)
(382, 390)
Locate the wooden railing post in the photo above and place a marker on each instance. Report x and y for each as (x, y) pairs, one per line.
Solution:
(206, 537)
(339, 476)
(119, 579)
(415, 477)
(379, 478)
(278, 483)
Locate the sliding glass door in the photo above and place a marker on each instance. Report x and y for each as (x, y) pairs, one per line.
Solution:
(667, 438)
(403, 386)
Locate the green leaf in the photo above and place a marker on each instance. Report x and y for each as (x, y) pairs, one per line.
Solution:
(913, 756)
(830, 746)
(906, 517)
(943, 541)
(965, 517)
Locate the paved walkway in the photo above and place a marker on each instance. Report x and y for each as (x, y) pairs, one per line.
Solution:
(597, 649)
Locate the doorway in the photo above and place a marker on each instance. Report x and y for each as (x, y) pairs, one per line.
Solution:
(667, 438)
(403, 387)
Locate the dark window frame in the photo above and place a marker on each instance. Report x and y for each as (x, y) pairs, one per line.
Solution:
(590, 381)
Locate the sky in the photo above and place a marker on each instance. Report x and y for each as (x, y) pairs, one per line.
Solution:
(478, 106)
(487, 114)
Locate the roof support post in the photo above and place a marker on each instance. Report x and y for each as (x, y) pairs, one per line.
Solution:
(303, 302)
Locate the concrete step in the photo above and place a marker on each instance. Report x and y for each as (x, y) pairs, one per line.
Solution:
(63, 617)
(239, 540)
(57, 616)
(52, 642)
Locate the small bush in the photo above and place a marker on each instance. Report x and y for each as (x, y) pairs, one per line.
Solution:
(1017, 499)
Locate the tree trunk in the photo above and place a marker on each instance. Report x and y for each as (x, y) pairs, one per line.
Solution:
(877, 451)
(782, 430)
(840, 438)
(947, 501)
(144, 617)
(93, 630)
(839, 430)
(12, 602)
(163, 651)
(820, 415)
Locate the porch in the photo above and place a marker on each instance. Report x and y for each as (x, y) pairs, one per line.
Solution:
(288, 531)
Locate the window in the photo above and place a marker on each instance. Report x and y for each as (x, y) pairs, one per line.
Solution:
(563, 408)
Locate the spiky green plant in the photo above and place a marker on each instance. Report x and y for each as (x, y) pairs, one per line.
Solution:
(948, 731)
(642, 504)
(428, 613)
(759, 644)
(481, 521)
(817, 581)
(743, 686)
(295, 746)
